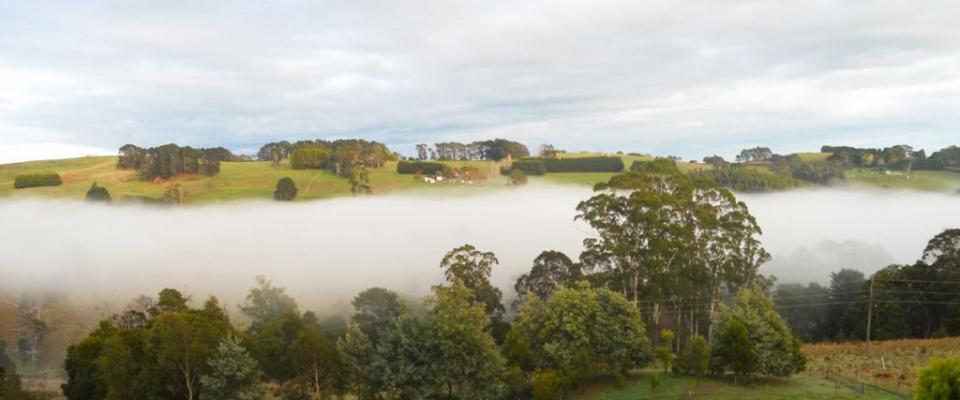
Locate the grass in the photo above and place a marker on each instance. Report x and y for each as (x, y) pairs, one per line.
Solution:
(237, 180)
(891, 364)
(932, 181)
(674, 386)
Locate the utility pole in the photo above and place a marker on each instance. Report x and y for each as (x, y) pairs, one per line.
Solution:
(870, 313)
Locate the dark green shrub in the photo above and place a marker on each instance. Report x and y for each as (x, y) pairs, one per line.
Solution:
(518, 177)
(286, 189)
(36, 180)
(658, 165)
(423, 167)
(98, 193)
(746, 179)
(582, 164)
(529, 166)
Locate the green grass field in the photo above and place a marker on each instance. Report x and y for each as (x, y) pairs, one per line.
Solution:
(675, 386)
(257, 180)
(932, 181)
(237, 180)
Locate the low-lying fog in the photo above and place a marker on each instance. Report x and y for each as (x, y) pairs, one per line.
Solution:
(324, 252)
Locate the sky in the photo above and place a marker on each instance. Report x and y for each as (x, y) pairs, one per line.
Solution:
(686, 78)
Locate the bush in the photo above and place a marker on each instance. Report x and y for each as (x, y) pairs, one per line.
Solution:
(547, 385)
(422, 167)
(309, 158)
(286, 190)
(98, 193)
(36, 180)
(746, 179)
(658, 165)
(695, 357)
(529, 167)
(583, 164)
(939, 380)
(518, 177)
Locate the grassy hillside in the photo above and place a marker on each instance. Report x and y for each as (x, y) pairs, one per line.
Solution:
(933, 181)
(891, 364)
(678, 386)
(237, 180)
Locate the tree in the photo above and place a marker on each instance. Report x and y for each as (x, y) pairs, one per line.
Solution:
(286, 189)
(469, 364)
(846, 286)
(359, 356)
(754, 339)
(407, 359)
(940, 380)
(664, 353)
(551, 269)
(695, 357)
(375, 307)
(581, 333)
(472, 268)
(754, 154)
(234, 375)
(662, 238)
(182, 342)
(317, 359)
(98, 193)
(266, 302)
(10, 388)
(518, 177)
(733, 350)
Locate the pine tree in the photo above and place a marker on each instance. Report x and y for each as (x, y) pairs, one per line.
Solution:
(98, 193)
(235, 374)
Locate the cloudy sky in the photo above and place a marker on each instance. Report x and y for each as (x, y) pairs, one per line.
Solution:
(688, 78)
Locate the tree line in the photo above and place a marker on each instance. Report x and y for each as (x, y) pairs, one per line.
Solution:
(495, 150)
(171, 160)
(918, 300)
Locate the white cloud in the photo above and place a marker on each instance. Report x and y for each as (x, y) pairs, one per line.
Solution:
(687, 78)
(11, 153)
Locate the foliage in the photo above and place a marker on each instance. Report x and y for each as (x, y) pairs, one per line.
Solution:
(10, 388)
(309, 157)
(423, 168)
(531, 167)
(98, 193)
(695, 357)
(547, 385)
(175, 194)
(160, 359)
(664, 351)
(670, 237)
(266, 302)
(286, 190)
(551, 269)
(754, 154)
(374, 308)
(754, 339)
(171, 160)
(940, 380)
(581, 164)
(472, 268)
(805, 309)
(581, 333)
(406, 361)
(36, 180)
(359, 354)
(658, 165)
(496, 150)
(234, 375)
(518, 177)
(746, 179)
(468, 363)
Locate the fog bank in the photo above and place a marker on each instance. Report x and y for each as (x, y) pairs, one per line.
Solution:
(326, 251)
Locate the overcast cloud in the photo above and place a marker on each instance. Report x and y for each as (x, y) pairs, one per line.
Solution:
(668, 77)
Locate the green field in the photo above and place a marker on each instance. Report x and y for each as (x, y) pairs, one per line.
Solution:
(674, 386)
(257, 180)
(237, 180)
(932, 181)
